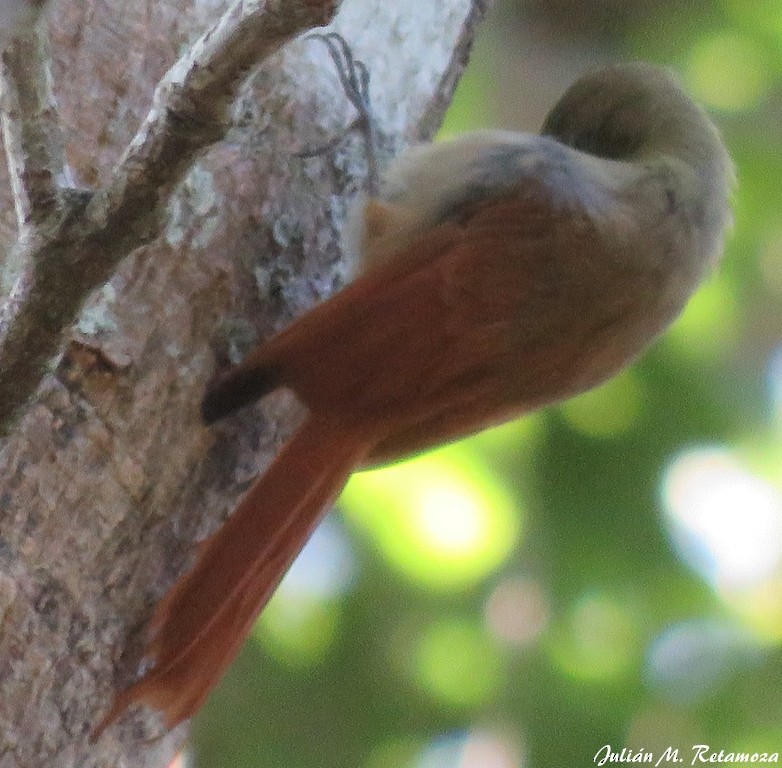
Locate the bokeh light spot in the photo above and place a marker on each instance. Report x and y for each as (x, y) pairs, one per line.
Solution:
(728, 71)
(298, 633)
(658, 725)
(300, 623)
(725, 522)
(450, 519)
(441, 519)
(456, 663)
(709, 324)
(762, 17)
(689, 661)
(472, 749)
(324, 569)
(607, 410)
(599, 641)
(517, 612)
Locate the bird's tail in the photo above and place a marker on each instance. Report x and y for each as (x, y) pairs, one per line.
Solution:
(242, 384)
(200, 624)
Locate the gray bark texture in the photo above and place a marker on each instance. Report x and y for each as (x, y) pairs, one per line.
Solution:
(158, 218)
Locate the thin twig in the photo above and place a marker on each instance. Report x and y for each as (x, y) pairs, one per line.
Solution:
(189, 112)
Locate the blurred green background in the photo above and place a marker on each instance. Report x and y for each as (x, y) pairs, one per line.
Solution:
(607, 572)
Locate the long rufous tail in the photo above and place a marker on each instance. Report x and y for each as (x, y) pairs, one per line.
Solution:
(200, 624)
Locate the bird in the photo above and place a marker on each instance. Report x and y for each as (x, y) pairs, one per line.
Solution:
(501, 272)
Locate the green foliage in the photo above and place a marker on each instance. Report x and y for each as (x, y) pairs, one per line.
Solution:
(609, 572)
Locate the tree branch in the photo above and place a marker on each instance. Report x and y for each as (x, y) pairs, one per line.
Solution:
(80, 252)
(31, 131)
(189, 110)
(109, 477)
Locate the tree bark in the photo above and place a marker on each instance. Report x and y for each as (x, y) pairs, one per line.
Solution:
(107, 476)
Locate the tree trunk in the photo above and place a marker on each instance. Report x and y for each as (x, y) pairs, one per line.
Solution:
(107, 476)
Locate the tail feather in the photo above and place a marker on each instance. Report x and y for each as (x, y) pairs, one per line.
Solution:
(239, 386)
(200, 624)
